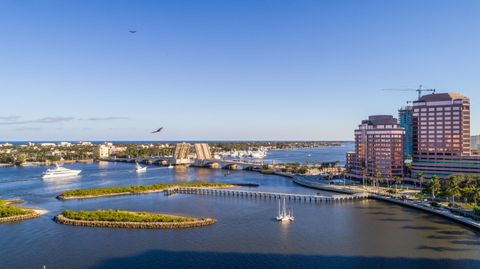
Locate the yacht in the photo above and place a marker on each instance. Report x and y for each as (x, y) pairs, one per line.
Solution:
(59, 171)
(283, 215)
(139, 168)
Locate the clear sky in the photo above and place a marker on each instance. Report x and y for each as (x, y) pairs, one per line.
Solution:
(210, 70)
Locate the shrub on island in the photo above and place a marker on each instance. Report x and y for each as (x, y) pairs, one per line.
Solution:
(7, 210)
(122, 216)
(133, 190)
(10, 213)
(127, 219)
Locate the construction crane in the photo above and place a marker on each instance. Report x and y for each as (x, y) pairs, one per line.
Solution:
(419, 90)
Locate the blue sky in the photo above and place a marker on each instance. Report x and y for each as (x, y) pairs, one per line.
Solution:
(226, 69)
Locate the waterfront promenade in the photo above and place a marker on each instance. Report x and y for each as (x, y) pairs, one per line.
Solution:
(420, 206)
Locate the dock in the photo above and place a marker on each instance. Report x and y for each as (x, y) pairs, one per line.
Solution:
(266, 195)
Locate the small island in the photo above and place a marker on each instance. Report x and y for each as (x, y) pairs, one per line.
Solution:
(128, 219)
(131, 190)
(11, 213)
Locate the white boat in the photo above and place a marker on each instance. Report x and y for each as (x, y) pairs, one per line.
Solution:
(258, 154)
(170, 166)
(59, 172)
(283, 215)
(140, 169)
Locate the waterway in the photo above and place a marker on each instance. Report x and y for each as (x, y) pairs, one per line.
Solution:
(359, 234)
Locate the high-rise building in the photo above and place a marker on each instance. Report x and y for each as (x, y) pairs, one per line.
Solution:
(405, 115)
(378, 148)
(441, 126)
(475, 142)
(441, 136)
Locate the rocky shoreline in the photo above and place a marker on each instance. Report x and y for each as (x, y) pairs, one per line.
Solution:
(37, 213)
(135, 225)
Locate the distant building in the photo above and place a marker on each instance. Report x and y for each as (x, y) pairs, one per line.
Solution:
(405, 116)
(47, 144)
(64, 144)
(103, 151)
(475, 142)
(85, 143)
(441, 136)
(378, 148)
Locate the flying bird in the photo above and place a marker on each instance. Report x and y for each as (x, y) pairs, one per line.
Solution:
(132, 32)
(158, 131)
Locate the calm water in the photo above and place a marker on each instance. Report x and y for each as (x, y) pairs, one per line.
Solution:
(362, 234)
(327, 154)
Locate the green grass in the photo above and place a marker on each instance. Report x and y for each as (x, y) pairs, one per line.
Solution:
(122, 216)
(135, 189)
(10, 210)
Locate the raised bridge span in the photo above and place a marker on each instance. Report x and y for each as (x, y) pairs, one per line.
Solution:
(266, 195)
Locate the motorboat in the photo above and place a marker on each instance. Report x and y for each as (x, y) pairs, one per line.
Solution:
(60, 172)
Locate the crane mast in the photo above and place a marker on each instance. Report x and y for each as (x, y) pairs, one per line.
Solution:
(420, 90)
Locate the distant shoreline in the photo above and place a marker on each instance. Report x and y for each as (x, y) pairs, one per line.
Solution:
(97, 142)
(46, 163)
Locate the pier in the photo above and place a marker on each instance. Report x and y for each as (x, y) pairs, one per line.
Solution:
(266, 195)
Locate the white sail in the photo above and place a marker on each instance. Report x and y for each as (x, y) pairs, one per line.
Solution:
(283, 215)
(139, 168)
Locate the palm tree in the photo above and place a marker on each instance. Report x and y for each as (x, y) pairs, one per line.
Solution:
(453, 188)
(377, 178)
(335, 163)
(434, 186)
(364, 170)
(343, 174)
(397, 180)
(420, 178)
(475, 195)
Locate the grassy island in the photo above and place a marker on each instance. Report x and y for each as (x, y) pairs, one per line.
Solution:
(115, 191)
(127, 219)
(7, 210)
(10, 213)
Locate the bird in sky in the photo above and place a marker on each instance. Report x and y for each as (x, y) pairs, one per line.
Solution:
(158, 131)
(132, 31)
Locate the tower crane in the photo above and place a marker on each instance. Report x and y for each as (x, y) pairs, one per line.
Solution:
(419, 90)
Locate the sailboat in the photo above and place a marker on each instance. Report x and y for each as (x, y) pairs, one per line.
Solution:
(283, 215)
(140, 169)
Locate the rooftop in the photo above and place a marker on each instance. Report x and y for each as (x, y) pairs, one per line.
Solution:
(380, 120)
(434, 97)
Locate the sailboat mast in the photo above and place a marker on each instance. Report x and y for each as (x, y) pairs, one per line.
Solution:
(279, 207)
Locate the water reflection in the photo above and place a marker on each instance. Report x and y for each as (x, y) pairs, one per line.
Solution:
(342, 235)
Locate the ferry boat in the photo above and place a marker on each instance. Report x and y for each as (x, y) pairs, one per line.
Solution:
(59, 172)
(283, 215)
(139, 168)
